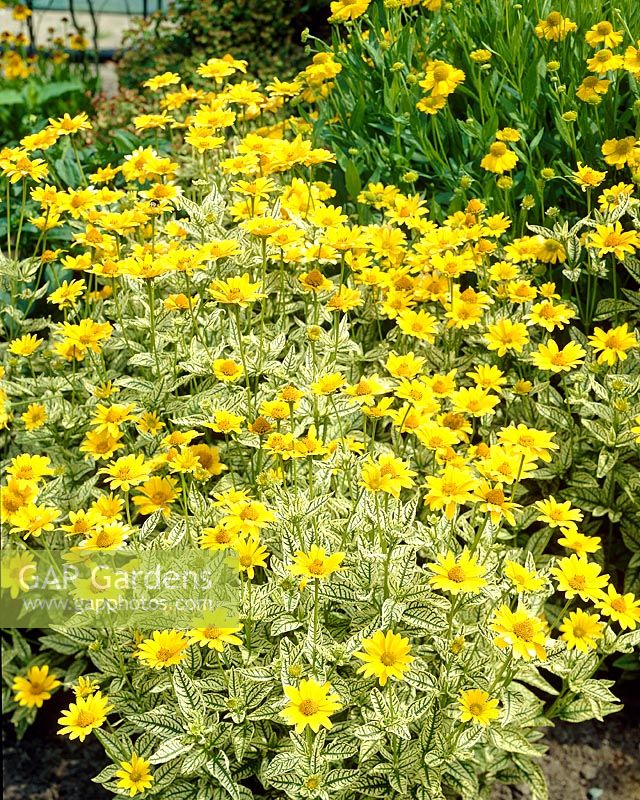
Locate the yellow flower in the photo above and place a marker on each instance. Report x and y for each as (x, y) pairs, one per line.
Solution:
(591, 89)
(476, 707)
(345, 300)
(531, 442)
(603, 33)
(505, 335)
(555, 27)
(126, 471)
(247, 517)
(157, 494)
(317, 564)
(581, 630)
(101, 444)
(612, 239)
(558, 515)
(67, 125)
(588, 178)
(217, 538)
(32, 689)
(499, 159)
(225, 422)
(85, 686)
(613, 344)
(236, 291)
(457, 574)
(441, 79)
(581, 544)
(522, 578)
(328, 384)
(25, 346)
(33, 520)
(550, 357)
(577, 576)
(418, 324)
(214, 637)
(619, 152)
(520, 630)
(454, 487)
(621, 608)
(162, 81)
(67, 294)
(163, 649)
(385, 656)
(404, 366)
(311, 704)
(251, 554)
(494, 502)
(605, 61)
(227, 370)
(135, 775)
(364, 392)
(34, 417)
(475, 401)
(83, 716)
(388, 474)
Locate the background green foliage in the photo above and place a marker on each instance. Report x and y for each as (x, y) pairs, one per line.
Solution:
(266, 32)
(372, 123)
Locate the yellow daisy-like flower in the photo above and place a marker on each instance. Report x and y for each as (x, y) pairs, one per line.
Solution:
(581, 630)
(612, 345)
(457, 574)
(83, 716)
(126, 471)
(453, 488)
(386, 655)
(163, 649)
(214, 637)
(32, 689)
(553, 359)
(524, 580)
(499, 159)
(227, 370)
(387, 474)
(558, 515)
(311, 704)
(577, 576)
(135, 775)
(237, 291)
(251, 554)
(317, 564)
(25, 346)
(476, 707)
(520, 630)
(578, 542)
(505, 335)
(621, 608)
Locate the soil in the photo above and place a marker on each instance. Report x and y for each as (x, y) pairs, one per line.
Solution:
(589, 761)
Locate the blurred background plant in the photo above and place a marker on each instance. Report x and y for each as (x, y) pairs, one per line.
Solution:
(266, 32)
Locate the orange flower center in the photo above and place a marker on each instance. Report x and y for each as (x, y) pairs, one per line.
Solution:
(308, 707)
(524, 630)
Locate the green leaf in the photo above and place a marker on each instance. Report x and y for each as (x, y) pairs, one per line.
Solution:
(170, 749)
(513, 741)
(352, 179)
(118, 748)
(219, 768)
(189, 697)
(162, 722)
(57, 89)
(9, 97)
